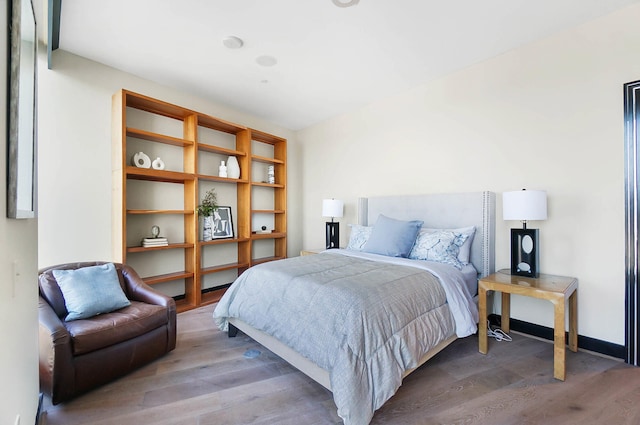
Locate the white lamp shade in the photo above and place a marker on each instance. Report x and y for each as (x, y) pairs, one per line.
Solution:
(332, 208)
(524, 205)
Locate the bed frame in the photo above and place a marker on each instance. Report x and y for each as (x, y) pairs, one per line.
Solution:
(437, 211)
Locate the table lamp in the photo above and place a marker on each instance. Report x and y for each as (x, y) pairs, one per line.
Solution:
(332, 208)
(524, 205)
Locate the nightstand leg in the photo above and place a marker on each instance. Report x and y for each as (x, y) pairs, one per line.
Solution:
(506, 312)
(558, 339)
(482, 320)
(573, 321)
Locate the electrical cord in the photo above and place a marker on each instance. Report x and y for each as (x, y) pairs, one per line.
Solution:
(497, 333)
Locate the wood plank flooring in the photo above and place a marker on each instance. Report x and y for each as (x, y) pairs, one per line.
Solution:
(213, 380)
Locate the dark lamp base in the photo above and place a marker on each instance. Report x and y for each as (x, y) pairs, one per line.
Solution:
(333, 235)
(524, 252)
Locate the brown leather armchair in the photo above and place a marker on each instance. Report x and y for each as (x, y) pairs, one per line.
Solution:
(80, 355)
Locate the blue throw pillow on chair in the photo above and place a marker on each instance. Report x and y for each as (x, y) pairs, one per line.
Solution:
(89, 291)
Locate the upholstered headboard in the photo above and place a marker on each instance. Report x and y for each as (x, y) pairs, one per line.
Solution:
(446, 210)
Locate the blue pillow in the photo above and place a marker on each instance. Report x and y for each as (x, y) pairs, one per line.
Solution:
(393, 238)
(89, 291)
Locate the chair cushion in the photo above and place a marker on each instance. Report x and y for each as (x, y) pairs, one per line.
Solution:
(89, 291)
(118, 326)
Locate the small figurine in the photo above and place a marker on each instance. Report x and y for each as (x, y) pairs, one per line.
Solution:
(157, 164)
(141, 160)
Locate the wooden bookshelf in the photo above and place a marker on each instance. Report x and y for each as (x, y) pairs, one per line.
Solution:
(197, 138)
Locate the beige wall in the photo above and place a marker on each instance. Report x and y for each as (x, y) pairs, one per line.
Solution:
(546, 116)
(75, 155)
(18, 294)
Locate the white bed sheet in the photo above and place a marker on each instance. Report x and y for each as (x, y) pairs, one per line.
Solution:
(470, 275)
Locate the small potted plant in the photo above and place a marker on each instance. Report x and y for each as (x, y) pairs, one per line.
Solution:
(206, 209)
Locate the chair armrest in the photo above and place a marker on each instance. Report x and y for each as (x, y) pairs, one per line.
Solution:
(140, 291)
(54, 350)
(137, 290)
(51, 324)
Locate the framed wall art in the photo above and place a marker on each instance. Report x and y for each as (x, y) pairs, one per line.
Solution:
(22, 129)
(222, 223)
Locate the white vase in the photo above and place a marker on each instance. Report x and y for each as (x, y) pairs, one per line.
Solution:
(207, 228)
(157, 164)
(141, 160)
(233, 168)
(222, 170)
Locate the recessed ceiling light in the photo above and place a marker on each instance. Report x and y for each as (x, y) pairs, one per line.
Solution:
(266, 60)
(232, 42)
(345, 3)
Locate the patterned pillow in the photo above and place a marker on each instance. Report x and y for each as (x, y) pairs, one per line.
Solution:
(358, 237)
(442, 247)
(465, 250)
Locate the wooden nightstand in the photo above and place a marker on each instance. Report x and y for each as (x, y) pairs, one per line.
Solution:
(311, 251)
(557, 289)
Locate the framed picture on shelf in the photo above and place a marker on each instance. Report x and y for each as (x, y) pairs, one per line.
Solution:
(222, 223)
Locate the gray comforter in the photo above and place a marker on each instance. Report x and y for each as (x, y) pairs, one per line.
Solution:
(365, 322)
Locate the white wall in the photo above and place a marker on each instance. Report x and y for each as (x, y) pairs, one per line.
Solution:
(18, 300)
(545, 116)
(75, 156)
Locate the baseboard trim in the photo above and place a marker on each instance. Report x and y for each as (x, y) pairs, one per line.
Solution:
(585, 342)
(204, 291)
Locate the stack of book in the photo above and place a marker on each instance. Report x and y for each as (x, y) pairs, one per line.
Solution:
(153, 242)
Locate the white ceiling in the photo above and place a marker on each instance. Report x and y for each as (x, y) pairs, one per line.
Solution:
(330, 60)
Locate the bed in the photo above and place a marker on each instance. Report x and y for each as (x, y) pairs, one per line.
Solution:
(358, 320)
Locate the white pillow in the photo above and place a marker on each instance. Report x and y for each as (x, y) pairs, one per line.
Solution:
(358, 237)
(442, 247)
(464, 255)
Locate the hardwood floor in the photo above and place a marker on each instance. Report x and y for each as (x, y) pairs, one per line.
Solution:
(211, 379)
